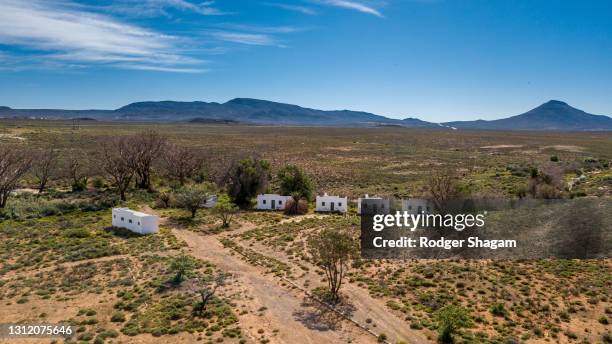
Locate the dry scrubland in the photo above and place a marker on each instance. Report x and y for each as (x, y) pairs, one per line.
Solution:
(59, 261)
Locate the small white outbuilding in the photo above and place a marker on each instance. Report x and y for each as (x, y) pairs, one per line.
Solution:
(210, 202)
(135, 221)
(379, 204)
(271, 202)
(416, 206)
(331, 204)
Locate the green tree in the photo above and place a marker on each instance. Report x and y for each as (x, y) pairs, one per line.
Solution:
(191, 197)
(225, 210)
(181, 266)
(333, 250)
(206, 288)
(245, 179)
(293, 181)
(451, 319)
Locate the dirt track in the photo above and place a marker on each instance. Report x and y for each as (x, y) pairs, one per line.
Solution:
(297, 318)
(282, 304)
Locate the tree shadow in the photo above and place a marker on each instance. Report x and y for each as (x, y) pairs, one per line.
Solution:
(123, 232)
(316, 316)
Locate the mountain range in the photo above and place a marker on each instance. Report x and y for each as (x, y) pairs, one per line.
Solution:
(552, 115)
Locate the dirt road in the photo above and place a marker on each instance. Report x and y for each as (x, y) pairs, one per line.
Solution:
(297, 318)
(365, 306)
(286, 310)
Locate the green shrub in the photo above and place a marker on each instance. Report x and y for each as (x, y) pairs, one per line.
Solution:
(118, 317)
(98, 183)
(86, 336)
(451, 319)
(130, 328)
(498, 309)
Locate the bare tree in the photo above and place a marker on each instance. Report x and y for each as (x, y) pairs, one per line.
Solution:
(76, 169)
(443, 188)
(547, 182)
(147, 146)
(13, 165)
(45, 164)
(181, 162)
(118, 163)
(206, 288)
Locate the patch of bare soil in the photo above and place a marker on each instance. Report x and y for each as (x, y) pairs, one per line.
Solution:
(566, 148)
(12, 136)
(501, 146)
(270, 306)
(363, 306)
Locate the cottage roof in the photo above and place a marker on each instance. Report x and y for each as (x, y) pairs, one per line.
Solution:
(133, 212)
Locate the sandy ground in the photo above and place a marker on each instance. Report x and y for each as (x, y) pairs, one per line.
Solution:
(567, 148)
(282, 304)
(501, 146)
(298, 318)
(365, 307)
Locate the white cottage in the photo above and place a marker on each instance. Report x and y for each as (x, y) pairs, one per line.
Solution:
(210, 202)
(332, 204)
(271, 202)
(416, 205)
(380, 204)
(135, 221)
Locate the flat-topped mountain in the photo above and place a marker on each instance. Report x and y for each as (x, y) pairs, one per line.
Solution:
(249, 111)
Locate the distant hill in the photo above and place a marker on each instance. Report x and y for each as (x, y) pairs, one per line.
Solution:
(552, 115)
(248, 110)
(212, 121)
(417, 123)
(242, 110)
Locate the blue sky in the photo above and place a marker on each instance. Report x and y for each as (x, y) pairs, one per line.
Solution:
(433, 59)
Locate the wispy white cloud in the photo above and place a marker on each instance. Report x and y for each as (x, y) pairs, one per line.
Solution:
(205, 8)
(244, 38)
(294, 8)
(262, 29)
(163, 69)
(352, 5)
(154, 8)
(55, 30)
(252, 34)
